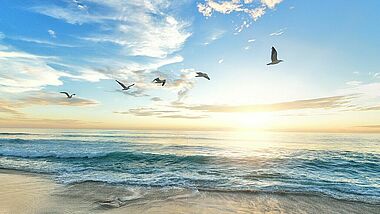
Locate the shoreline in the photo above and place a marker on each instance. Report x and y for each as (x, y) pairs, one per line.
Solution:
(25, 192)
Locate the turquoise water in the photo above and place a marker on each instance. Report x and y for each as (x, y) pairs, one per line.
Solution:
(342, 166)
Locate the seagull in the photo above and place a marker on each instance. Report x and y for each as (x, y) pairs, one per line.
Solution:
(274, 57)
(157, 80)
(67, 94)
(125, 87)
(200, 74)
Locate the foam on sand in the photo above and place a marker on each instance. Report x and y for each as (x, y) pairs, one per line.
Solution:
(28, 193)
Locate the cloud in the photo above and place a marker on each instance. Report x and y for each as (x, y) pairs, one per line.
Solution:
(278, 33)
(22, 72)
(353, 83)
(215, 35)
(156, 99)
(137, 92)
(249, 7)
(370, 126)
(176, 114)
(251, 40)
(271, 3)
(180, 116)
(319, 103)
(8, 108)
(367, 91)
(220, 61)
(184, 83)
(371, 108)
(41, 42)
(12, 107)
(150, 31)
(52, 33)
(49, 98)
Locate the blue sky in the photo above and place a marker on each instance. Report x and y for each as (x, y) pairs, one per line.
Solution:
(329, 80)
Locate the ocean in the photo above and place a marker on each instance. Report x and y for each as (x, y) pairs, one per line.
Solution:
(340, 166)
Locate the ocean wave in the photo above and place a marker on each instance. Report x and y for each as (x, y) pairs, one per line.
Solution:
(115, 156)
(16, 133)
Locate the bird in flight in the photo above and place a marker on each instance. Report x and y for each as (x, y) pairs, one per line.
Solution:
(124, 87)
(201, 74)
(67, 94)
(274, 57)
(158, 80)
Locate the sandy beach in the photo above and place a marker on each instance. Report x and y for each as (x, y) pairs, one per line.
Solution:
(30, 193)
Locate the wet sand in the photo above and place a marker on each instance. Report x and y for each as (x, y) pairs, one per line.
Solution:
(30, 193)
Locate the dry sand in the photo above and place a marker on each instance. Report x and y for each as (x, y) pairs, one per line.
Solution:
(29, 193)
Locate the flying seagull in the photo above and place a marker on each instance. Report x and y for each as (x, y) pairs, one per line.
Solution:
(124, 87)
(274, 57)
(201, 74)
(158, 80)
(67, 94)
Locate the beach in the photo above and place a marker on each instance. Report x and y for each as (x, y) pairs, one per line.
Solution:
(22, 192)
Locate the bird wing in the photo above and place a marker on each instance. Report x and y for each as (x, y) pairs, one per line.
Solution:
(163, 82)
(155, 80)
(274, 55)
(207, 77)
(131, 85)
(64, 92)
(122, 85)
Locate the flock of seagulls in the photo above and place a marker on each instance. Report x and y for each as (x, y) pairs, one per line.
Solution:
(274, 61)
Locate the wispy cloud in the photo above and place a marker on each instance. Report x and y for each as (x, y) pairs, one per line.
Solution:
(319, 103)
(7, 107)
(176, 114)
(371, 108)
(21, 72)
(42, 42)
(156, 99)
(279, 32)
(215, 35)
(149, 32)
(353, 83)
(13, 108)
(49, 98)
(370, 126)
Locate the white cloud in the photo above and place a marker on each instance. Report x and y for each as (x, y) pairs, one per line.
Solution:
(248, 7)
(271, 3)
(52, 33)
(220, 61)
(278, 33)
(41, 42)
(367, 91)
(21, 72)
(353, 83)
(148, 32)
(251, 40)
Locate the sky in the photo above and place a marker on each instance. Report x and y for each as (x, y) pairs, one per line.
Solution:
(329, 80)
